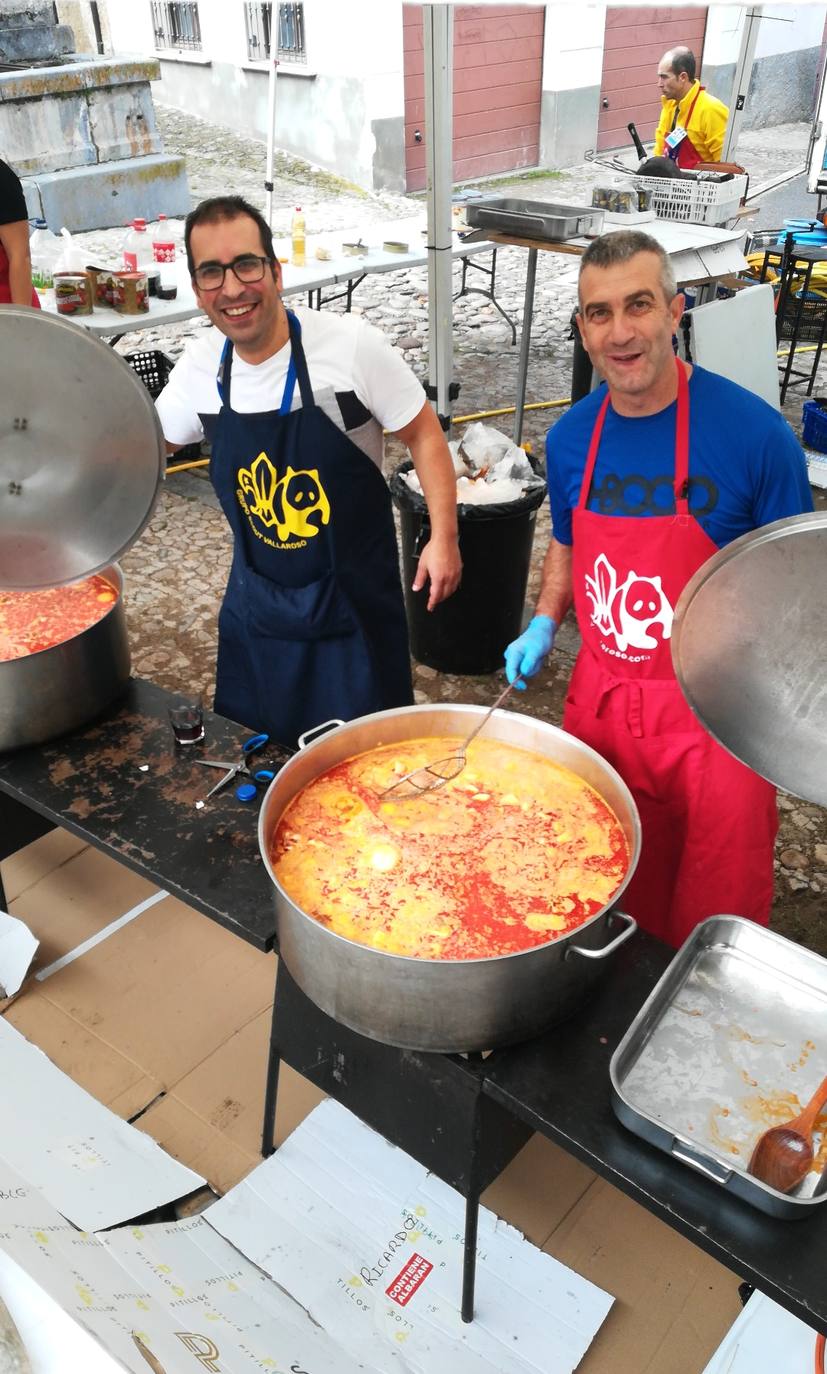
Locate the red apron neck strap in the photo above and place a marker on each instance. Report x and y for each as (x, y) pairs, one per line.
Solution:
(681, 446)
(591, 456)
(682, 441)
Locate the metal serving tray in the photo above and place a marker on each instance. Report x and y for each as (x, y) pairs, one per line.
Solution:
(733, 1039)
(534, 218)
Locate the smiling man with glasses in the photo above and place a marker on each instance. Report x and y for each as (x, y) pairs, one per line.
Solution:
(294, 403)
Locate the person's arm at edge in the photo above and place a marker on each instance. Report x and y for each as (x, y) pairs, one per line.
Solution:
(15, 240)
(439, 560)
(555, 596)
(716, 123)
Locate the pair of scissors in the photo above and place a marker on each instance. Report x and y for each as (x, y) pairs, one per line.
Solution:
(232, 770)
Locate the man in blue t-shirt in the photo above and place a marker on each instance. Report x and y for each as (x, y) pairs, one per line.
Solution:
(648, 477)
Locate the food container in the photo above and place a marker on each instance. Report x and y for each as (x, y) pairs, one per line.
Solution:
(354, 250)
(625, 200)
(731, 1041)
(53, 691)
(130, 293)
(80, 466)
(394, 246)
(749, 644)
(101, 279)
(535, 219)
(442, 1004)
(73, 293)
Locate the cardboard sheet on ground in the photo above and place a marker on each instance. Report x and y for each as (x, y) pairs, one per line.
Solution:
(371, 1245)
(765, 1340)
(94, 1168)
(17, 949)
(174, 1299)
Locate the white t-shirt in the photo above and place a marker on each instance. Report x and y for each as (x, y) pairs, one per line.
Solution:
(357, 377)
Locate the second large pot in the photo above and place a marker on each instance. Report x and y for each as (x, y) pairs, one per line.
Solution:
(56, 690)
(441, 1004)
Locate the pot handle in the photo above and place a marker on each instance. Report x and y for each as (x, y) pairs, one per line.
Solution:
(631, 927)
(317, 730)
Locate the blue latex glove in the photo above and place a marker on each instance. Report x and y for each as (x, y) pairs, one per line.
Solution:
(524, 656)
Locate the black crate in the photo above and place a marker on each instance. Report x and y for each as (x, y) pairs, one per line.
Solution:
(153, 368)
(810, 323)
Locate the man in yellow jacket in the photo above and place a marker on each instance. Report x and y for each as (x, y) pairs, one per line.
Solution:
(692, 122)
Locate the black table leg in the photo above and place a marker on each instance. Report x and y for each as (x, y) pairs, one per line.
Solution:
(271, 1093)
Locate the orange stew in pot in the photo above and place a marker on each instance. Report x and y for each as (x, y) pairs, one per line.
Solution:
(515, 851)
(31, 621)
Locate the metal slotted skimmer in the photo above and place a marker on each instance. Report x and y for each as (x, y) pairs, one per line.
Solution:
(435, 775)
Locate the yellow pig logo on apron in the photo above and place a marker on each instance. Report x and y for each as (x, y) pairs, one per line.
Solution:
(293, 505)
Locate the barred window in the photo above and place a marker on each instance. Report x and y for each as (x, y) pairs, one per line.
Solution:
(176, 24)
(290, 36)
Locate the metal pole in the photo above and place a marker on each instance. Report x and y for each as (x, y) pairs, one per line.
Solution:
(740, 82)
(438, 34)
(271, 134)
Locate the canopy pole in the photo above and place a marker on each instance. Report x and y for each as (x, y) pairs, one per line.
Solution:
(438, 34)
(741, 80)
(271, 133)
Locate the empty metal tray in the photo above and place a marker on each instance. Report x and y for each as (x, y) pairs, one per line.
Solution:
(733, 1039)
(534, 219)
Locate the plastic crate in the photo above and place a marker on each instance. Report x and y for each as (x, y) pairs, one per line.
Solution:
(814, 432)
(694, 202)
(811, 321)
(153, 368)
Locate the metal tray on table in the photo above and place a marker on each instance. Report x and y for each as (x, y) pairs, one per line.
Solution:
(733, 1039)
(535, 219)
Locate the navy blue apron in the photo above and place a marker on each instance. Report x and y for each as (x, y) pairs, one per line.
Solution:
(313, 621)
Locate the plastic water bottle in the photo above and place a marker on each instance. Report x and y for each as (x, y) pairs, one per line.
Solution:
(297, 233)
(137, 248)
(164, 255)
(45, 249)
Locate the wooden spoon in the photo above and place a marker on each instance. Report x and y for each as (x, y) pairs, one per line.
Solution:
(784, 1154)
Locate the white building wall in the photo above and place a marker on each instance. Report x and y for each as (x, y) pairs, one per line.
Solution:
(343, 109)
(572, 68)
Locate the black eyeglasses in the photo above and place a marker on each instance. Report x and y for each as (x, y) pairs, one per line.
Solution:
(247, 268)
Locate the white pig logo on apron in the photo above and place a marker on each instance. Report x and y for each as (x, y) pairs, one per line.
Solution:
(627, 611)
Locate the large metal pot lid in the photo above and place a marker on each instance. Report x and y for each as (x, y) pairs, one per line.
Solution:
(749, 647)
(81, 452)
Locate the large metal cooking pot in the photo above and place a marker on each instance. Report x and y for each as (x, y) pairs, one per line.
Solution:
(81, 452)
(53, 691)
(81, 459)
(441, 1004)
(749, 643)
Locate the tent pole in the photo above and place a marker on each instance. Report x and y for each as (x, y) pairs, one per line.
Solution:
(740, 83)
(438, 33)
(271, 133)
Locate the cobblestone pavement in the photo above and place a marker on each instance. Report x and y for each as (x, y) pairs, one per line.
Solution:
(176, 573)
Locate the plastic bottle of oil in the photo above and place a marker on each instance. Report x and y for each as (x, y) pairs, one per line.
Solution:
(298, 234)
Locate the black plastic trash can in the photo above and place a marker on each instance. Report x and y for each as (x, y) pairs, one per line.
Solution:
(468, 633)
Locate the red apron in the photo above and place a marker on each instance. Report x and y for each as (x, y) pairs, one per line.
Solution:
(687, 155)
(5, 289)
(708, 822)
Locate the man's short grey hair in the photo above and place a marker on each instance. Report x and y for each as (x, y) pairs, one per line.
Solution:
(682, 60)
(610, 249)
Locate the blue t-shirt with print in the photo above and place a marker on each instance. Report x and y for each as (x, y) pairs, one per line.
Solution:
(746, 467)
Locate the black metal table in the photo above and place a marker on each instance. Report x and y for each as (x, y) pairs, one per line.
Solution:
(121, 785)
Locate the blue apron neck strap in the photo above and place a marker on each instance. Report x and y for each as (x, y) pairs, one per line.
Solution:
(296, 371)
(225, 368)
